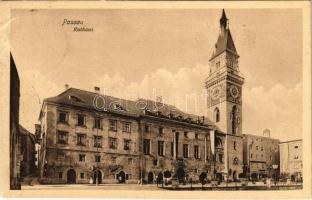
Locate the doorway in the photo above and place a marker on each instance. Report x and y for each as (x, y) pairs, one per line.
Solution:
(97, 176)
(150, 177)
(71, 176)
(121, 176)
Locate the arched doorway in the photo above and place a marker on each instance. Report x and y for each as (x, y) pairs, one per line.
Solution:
(160, 177)
(121, 177)
(180, 174)
(97, 175)
(150, 177)
(71, 176)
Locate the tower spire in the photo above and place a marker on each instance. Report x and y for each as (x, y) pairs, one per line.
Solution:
(223, 20)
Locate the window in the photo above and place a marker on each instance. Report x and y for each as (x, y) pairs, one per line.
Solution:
(112, 125)
(257, 147)
(80, 120)
(251, 155)
(160, 131)
(97, 158)
(185, 151)
(146, 128)
(296, 147)
(113, 160)
(217, 114)
(82, 175)
(62, 137)
(161, 148)
(128, 176)
(185, 134)
(127, 144)
(82, 157)
(220, 158)
(62, 117)
(146, 146)
(130, 161)
(81, 139)
(218, 64)
(60, 174)
(196, 152)
(98, 123)
(98, 141)
(196, 136)
(112, 143)
(155, 162)
(171, 148)
(234, 145)
(271, 158)
(261, 148)
(296, 157)
(126, 127)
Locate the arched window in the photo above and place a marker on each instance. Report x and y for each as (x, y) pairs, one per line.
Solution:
(217, 114)
(233, 117)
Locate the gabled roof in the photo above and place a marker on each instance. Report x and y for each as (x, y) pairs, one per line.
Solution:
(224, 43)
(140, 107)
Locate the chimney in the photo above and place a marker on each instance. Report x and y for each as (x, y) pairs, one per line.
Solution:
(97, 89)
(266, 132)
(66, 86)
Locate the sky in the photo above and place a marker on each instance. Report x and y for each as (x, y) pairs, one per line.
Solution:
(162, 52)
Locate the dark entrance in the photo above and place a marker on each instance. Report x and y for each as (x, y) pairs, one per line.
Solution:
(234, 176)
(97, 176)
(71, 176)
(150, 178)
(160, 177)
(180, 174)
(219, 177)
(121, 176)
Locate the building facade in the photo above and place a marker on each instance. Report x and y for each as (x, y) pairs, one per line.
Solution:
(224, 103)
(120, 142)
(28, 151)
(15, 140)
(291, 159)
(261, 156)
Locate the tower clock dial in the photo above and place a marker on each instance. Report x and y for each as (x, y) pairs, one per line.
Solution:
(234, 91)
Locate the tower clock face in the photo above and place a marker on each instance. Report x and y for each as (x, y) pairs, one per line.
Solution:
(234, 91)
(216, 92)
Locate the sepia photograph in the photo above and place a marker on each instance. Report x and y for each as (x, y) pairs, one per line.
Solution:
(161, 100)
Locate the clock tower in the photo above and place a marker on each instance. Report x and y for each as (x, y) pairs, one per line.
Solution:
(224, 103)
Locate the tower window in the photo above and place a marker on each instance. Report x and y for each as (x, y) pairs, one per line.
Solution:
(217, 114)
(218, 64)
(234, 119)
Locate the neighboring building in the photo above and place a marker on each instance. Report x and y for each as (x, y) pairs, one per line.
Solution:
(15, 155)
(224, 89)
(261, 156)
(124, 141)
(291, 159)
(28, 163)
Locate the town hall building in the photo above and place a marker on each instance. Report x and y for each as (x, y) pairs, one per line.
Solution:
(90, 137)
